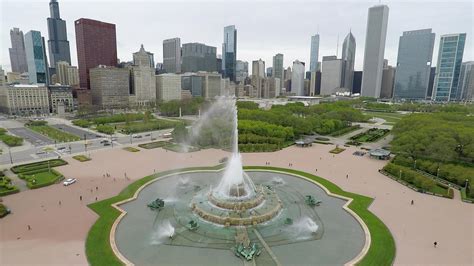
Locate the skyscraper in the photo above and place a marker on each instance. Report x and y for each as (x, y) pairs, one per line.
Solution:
(172, 55)
(415, 51)
(198, 57)
(17, 52)
(242, 71)
(466, 81)
(96, 43)
(58, 43)
(388, 78)
(297, 78)
(229, 52)
(348, 57)
(258, 68)
(143, 85)
(451, 49)
(331, 75)
(35, 57)
(313, 61)
(278, 70)
(375, 36)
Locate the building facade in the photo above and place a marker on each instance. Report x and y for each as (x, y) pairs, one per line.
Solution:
(66, 74)
(211, 84)
(110, 87)
(96, 43)
(466, 82)
(198, 57)
(348, 57)
(229, 52)
(278, 70)
(242, 71)
(24, 100)
(57, 43)
(258, 68)
(143, 85)
(35, 57)
(331, 75)
(168, 87)
(60, 99)
(193, 83)
(314, 55)
(172, 55)
(17, 52)
(297, 78)
(415, 52)
(448, 68)
(388, 79)
(375, 37)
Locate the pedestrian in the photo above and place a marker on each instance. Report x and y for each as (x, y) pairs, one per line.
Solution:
(29, 227)
(91, 190)
(103, 175)
(80, 198)
(347, 176)
(96, 188)
(95, 198)
(316, 169)
(435, 244)
(412, 202)
(59, 203)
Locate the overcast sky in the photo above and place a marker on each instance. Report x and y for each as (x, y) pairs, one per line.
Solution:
(264, 28)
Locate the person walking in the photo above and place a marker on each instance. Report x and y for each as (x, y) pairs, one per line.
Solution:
(435, 244)
(29, 227)
(80, 198)
(412, 202)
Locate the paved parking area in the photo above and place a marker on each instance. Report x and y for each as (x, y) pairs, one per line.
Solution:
(34, 138)
(75, 131)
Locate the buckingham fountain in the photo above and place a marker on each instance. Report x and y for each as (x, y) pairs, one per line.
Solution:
(262, 217)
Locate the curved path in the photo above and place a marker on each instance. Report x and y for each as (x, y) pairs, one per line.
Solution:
(58, 232)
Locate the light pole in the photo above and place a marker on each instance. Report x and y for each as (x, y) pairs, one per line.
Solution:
(85, 143)
(10, 153)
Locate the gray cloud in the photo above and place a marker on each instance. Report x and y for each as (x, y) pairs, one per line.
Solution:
(264, 27)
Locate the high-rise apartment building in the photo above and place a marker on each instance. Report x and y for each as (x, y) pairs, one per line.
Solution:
(58, 43)
(313, 61)
(17, 52)
(375, 36)
(448, 68)
(258, 68)
(172, 55)
(297, 78)
(143, 85)
(35, 57)
(96, 43)
(242, 71)
(110, 87)
(278, 70)
(331, 75)
(415, 52)
(269, 72)
(348, 57)
(198, 57)
(229, 52)
(466, 82)
(66, 74)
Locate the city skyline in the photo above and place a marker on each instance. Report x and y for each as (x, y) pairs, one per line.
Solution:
(251, 44)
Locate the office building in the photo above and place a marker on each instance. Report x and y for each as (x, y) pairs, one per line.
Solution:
(60, 99)
(17, 52)
(258, 68)
(357, 82)
(466, 82)
(269, 72)
(110, 87)
(388, 79)
(24, 100)
(96, 43)
(274, 88)
(193, 83)
(431, 82)
(143, 85)
(297, 78)
(448, 68)
(35, 57)
(198, 57)
(168, 87)
(278, 70)
(57, 43)
(66, 74)
(348, 57)
(242, 71)
(3, 80)
(415, 52)
(314, 55)
(331, 75)
(211, 84)
(229, 52)
(172, 55)
(375, 36)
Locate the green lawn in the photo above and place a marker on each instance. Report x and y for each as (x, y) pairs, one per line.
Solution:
(41, 179)
(370, 135)
(24, 168)
(153, 145)
(9, 140)
(81, 158)
(55, 134)
(131, 149)
(99, 252)
(337, 150)
(389, 117)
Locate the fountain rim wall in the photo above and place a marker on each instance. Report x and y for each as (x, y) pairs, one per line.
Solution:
(348, 200)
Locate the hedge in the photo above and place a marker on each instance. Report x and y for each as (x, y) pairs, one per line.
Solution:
(37, 165)
(3, 210)
(6, 192)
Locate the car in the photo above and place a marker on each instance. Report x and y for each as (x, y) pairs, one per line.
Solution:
(98, 136)
(104, 141)
(147, 135)
(106, 144)
(40, 152)
(114, 138)
(61, 148)
(137, 137)
(69, 181)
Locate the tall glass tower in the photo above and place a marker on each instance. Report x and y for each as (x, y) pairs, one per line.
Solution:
(451, 49)
(348, 57)
(278, 69)
(57, 43)
(415, 52)
(313, 57)
(17, 52)
(229, 52)
(35, 57)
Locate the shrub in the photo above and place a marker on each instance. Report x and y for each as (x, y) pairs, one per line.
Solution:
(25, 168)
(81, 123)
(109, 130)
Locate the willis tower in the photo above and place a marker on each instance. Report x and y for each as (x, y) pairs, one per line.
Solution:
(58, 43)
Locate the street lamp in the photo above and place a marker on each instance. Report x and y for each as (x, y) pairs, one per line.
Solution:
(85, 143)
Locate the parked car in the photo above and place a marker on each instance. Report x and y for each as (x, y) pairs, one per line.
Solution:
(137, 137)
(69, 181)
(40, 152)
(61, 148)
(106, 143)
(147, 135)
